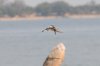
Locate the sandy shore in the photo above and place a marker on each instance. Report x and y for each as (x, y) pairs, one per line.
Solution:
(83, 16)
(26, 18)
(49, 17)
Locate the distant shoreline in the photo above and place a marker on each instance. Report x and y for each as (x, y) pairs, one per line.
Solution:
(26, 18)
(84, 16)
(73, 16)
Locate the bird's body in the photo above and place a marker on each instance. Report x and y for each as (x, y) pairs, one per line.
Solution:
(52, 28)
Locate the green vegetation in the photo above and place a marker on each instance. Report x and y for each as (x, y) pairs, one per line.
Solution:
(58, 8)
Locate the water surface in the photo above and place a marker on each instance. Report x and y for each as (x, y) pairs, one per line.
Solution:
(23, 44)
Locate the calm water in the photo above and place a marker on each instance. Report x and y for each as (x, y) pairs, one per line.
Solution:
(23, 44)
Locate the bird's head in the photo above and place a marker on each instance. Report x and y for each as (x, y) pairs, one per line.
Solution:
(51, 26)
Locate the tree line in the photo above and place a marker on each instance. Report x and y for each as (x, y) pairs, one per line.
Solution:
(58, 8)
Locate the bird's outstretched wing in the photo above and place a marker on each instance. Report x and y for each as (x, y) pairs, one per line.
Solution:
(43, 30)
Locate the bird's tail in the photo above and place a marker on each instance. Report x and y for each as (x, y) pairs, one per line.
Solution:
(60, 31)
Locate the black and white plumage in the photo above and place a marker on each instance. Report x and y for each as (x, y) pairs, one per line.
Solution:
(52, 28)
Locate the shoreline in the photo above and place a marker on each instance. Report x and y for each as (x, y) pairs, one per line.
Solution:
(73, 16)
(84, 16)
(25, 18)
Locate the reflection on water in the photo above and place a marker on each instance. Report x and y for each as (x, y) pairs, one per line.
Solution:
(23, 44)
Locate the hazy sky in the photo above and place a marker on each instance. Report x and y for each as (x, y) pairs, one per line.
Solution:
(73, 2)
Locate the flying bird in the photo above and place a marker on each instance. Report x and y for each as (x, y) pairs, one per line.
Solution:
(52, 28)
